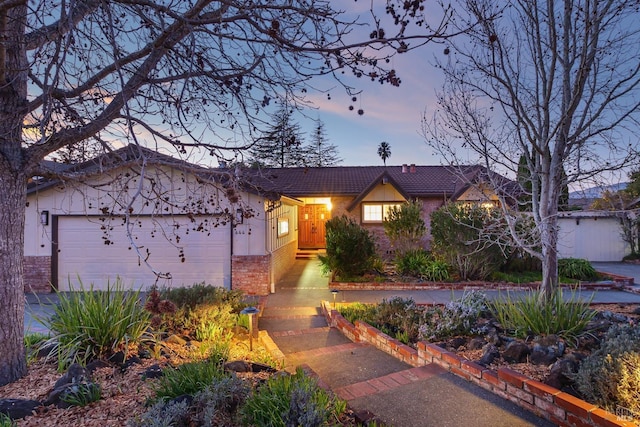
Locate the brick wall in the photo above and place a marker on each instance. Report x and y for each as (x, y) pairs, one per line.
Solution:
(545, 401)
(282, 259)
(251, 274)
(37, 274)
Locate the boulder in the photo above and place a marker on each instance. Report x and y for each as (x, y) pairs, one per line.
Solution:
(476, 343)
(18, 408)
(516, 352)
(489, 354)
(547, 350)
(153, 371)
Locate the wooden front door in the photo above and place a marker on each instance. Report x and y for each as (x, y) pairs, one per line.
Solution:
(311, 226)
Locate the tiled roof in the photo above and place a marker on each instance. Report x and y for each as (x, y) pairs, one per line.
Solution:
(420, 181)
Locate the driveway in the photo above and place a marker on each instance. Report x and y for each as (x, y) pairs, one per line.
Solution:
(621, 268)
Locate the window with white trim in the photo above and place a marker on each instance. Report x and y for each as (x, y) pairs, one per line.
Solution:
(376, 212)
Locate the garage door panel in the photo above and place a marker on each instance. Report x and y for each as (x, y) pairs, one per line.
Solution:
(184, 258)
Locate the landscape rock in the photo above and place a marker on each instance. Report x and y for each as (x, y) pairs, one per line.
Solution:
(489, 354)
(547, 350)
(476, 343)
(516, 352)
(153, 371)
(175, 339)
(561, 371)
(493, 337)
(18, 408)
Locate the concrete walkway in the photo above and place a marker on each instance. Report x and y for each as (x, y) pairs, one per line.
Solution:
(374, 383)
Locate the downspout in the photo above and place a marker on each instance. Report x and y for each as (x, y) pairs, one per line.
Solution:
(231, 254)
(268, 247)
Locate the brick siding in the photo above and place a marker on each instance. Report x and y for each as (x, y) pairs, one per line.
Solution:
(251, 274)
(37, 274)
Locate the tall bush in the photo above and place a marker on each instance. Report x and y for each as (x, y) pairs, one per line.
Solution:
(350, 248)
(405, 227)
(462, 238)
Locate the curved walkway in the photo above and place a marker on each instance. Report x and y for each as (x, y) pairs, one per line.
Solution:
(375, 384)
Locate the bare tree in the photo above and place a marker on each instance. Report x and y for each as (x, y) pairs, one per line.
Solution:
(177, 72)
(557, 82)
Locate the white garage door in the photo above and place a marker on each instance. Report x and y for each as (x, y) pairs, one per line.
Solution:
(194, 257)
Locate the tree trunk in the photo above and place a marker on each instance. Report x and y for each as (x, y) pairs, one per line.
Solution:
(12, 209)
(14, 170)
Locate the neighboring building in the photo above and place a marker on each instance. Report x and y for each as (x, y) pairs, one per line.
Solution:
(171, 223)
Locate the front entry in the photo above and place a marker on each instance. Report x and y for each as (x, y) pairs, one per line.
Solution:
(311, 226)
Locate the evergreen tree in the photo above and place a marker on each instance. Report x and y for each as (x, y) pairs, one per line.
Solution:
(281, 145)
(320, 152)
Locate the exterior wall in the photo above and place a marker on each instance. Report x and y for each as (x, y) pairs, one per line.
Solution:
(594, 236)
(383, 245)
(187, 196)
(37, 274)
(282, 260)
(251, 274)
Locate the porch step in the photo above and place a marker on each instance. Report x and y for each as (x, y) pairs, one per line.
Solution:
(309, 253)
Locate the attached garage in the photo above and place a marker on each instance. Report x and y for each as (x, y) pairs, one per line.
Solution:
(96, 251)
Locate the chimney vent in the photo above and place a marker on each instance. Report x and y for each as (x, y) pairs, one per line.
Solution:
(413, 168)
(404, 168)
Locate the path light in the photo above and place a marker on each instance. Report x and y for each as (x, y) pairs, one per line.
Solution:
(334, 292)
(250, 311)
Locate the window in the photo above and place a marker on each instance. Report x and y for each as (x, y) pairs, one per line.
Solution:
(283, 227)
(375, 212)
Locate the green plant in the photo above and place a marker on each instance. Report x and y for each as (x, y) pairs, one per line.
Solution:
(202, 294)
(291, 400)
(576, 268)
(601, 373)
(188, 378)
(358, 311)
(162, 414)
(628, 389)
(435, 271)
(463, 236)
(89, 324)
(5, 421)
(533, 315)
(457, 317)
(350, 248)
(412, 262)
(33, 343)
(405, 227)
(82, 394)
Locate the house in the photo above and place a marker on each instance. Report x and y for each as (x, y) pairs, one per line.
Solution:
(151, 219)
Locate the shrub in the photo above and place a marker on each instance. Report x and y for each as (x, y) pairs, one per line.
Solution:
(462, 238)
(576, 268)
(200, 311)
(215, 405)
(202, 294)
(89, 324)
(82, 394)
(358, 311)
(188, 378)
(399, 318)
(603, 378)
(405, 227)
(533, 315)
(435, 271)
(350, 248)
(628, 390)
(291, 400)
(162, 414)
(457, 317)
(412, 262)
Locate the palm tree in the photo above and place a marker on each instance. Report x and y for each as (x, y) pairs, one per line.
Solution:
(384, 151)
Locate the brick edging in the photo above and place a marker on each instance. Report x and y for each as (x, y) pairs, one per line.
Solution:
(541, 399)
(619, 283)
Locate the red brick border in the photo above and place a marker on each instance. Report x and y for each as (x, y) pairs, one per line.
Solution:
(541, 399)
